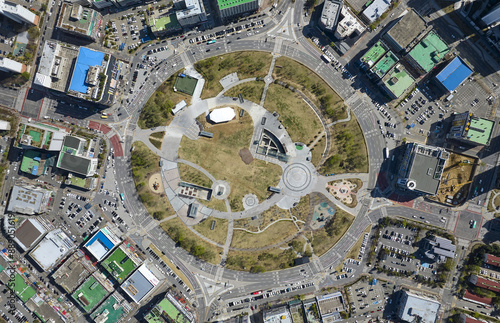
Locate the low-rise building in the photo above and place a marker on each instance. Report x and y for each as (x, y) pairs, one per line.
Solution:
(403, 33)
(52, 249)
(74, 159)
(121, 262)
(102, 243)
(485, 283)
(468, 319)
(190, 13)
(349, 24)
(29, 232)
(491, 260)
(4, 125)
(164, 25)
(89, 294)
(113, 310)
(169, 309)
(37, 135)
(454, 74)
(470, 129)
(79, 21)
(422, 168)
(18, 13)
(414, 308)
(330, 15)
(397, 81)
(229, 9)
(427, 53)
(439, 248)
(11, 66)
(384, 64)
(481, 300)
(73, 271)
(28, 199)
(141, 284)
(374, 54)
(278, 315)
(330, 307)
(375, 10)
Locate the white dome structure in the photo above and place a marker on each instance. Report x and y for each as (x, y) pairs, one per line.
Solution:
(222, 115)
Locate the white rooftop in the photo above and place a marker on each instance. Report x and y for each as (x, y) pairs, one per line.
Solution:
(54, 247)
(416, 306)
(376, 9)
(18, 13)
(10, 65)
(222, 115)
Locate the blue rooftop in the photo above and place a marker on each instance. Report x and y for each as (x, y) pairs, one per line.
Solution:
(454, 74)
(100, 237)
(86, 58)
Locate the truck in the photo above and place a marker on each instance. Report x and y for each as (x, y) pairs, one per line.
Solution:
(326, 58)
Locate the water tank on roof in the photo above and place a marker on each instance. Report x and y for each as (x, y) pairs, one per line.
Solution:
(411, 185)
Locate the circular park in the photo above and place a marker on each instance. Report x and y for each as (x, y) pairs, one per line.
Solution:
(232, 154)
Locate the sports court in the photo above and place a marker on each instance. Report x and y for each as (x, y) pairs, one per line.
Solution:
(86, 58)
(89, 294)
(185, 84)
(119, 265)
(22, 290)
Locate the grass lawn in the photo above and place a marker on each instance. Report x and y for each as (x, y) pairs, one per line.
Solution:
(301, 211)
(348, 152)
(251, 91)
(192, 175)
(317, 151)
(298, 118)
(494, 202)
(178, 231)
(157, 138)
(218, 234)
(158, 110)
(326, 237)
(304, 79)
(215, 204)
(276, 233)
(220, 157)
(144, 164)
(246, 64)
(259, 261)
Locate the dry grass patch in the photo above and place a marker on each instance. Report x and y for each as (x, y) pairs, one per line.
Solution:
(303, 209)
(219, 156)
(298, 118)
(144, 164)
(251, 91)
(354, 252)
(318, 150)
(157, 138)
(260, 261)
(278, 232)
(246, 64)
(192, 175)
(326, 237)
(218, 234)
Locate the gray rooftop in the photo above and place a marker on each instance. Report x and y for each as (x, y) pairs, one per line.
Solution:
(72, 142)
(28, 233)
(193, 7)
(376, 9)
(330, 14)
(55, 65)
(407, 29)
(28, 200)
(75, 164)
(140, 283)
(413, 306)
(427, 167)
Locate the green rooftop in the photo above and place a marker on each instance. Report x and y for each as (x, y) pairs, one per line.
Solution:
(22, 290)
(89, 294)
(429, 51)
(397, 81)
(165, 309)
(31, 162)
(480, 130)
(112, 309)
(164, 23)
(384, 64)
(119, 265)
(374, 54)
(224, 4)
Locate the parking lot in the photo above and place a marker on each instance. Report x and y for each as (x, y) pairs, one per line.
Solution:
(368, 299)
(464, 227)
(127, 32)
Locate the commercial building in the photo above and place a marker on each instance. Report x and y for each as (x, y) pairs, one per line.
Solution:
(428, 52)
(349, 24)
(169, 309)
(101, 4)
(278, 315)
(454, 74)
(485, 283)
(73, 157)
(374, 54)
(121, 262)
(402, 35)
(228, 9)
(414, 308)
(52, 249)
(28, 199)
(41, 136)
(492, 17)
(439, 249)
(375, 10)
(142, 283)
(473, 298)
(491, 260)
(89, 294)
(422, 168)
(397, 81)
(102, 243)
(470, 129)
(90, 68)
(4, 125)
(18, 13)
(164, 25)
(55, 67)
(330, 15)
(330, 307)
(190, 12)
(11, 66)
(222, 115)
(82, 182)
(28, 233)
(113, 310)
(73, 271)
(384, 64)
(81, 22)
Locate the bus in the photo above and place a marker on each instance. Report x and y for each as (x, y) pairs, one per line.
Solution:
(326, 58)
(474, 224)
(386, 152)
(212, 41)
(122, 196)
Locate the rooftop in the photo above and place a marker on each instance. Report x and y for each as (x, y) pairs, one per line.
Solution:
(479, 130)
(73, 271)
(79, 20)
(55, 65)
(164, 311)
(278, 315)
(376, 9)
(384, 64)
(476, 298)
(349, 23)
(330, 13)
(222, 115)
(165, 22)
(454, 74)
(72, 159)
(11, 65)
(101, 244)
(413, 306)
(330, 304)
(112, 310)
(89, 294)
(28, 233)
(429, 51)
(407, 29)
(31, 162)
(28, 199)
(52, 249)
(22, 290)
(119, 264)
(397, 81)
(224, 4)
(485, 283)
(492, 260)
(374, 54)
(18, 13)
(87, 58)
(140, 283)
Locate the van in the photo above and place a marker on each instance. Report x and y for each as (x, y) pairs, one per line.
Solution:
(104, 117)
(263, 122)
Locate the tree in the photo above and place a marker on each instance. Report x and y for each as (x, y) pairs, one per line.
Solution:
(33, 32)
(25, 75)
(43, 7)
